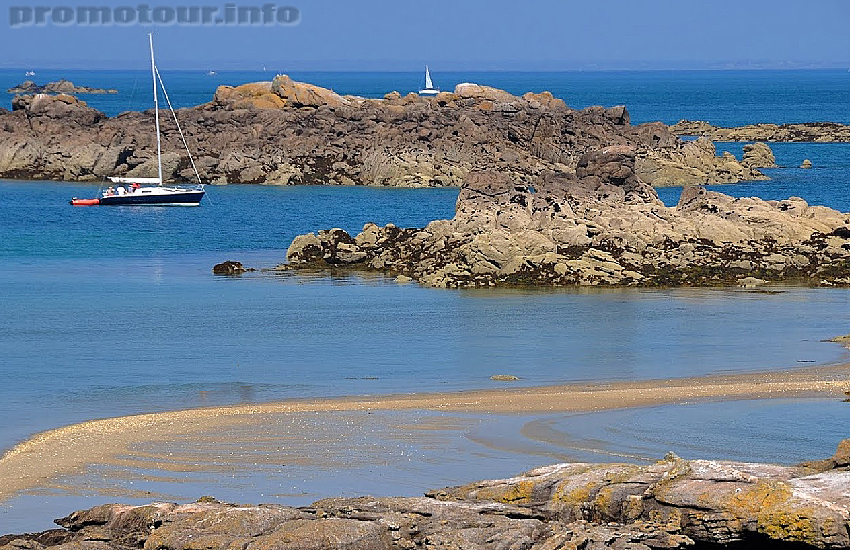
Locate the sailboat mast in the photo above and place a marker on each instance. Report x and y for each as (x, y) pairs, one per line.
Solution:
(156, 111)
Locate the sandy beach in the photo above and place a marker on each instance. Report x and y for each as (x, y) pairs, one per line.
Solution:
(47, 457)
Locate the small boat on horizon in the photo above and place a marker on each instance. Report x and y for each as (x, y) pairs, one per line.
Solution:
(29, 73)
(429, 88)
(150, 191)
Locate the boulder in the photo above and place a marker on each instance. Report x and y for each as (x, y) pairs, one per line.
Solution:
(544, 100)
(619, 115)
(230, 268)
(257, 95)
(758, 155)
(467, 90)
(615, 166)
(301, 94)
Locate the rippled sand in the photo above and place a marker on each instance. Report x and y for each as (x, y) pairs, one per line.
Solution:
(218, 436)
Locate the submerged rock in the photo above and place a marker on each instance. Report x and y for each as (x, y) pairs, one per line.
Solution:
(673, 503)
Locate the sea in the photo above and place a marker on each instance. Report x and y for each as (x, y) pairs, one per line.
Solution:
(115, 311)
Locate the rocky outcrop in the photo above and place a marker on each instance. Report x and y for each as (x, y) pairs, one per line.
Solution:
(601, 225)
(822, 132)
(61, 87)
(286, 132)
(695, 163)
(257, 95)
(673, 503)
(301, 94)
(758, 155)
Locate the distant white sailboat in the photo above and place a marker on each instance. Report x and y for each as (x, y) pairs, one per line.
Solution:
(429, 88)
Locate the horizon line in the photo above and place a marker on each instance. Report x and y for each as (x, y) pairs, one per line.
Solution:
(613, 68)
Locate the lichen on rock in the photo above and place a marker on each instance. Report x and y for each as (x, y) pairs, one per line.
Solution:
(673, 503)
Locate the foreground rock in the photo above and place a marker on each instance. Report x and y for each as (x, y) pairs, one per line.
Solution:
(286, 132)
(822, 132)
(599, 226)
(61, 87)
(673, 503)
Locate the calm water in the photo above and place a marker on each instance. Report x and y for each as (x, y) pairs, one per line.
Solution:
(826, 184)
(112, 311)
(725, 98)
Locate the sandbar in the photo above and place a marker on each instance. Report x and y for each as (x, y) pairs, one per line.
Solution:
(69, 450)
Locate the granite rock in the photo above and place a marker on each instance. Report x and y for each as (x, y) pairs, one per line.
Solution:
(286, 132)
(823, 132)
(672, 503)
(599, 225)
(758, 155)
(60, 87)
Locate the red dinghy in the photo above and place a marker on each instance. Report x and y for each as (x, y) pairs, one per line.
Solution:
(84, 202)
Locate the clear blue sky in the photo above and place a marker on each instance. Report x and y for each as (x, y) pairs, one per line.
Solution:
(460, 35)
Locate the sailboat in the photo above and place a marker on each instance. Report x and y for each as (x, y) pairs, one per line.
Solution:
(151, 191)
(429, 86)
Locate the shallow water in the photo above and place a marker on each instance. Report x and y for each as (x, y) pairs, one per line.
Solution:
(296, 459)
(118, 313)
(114, 311)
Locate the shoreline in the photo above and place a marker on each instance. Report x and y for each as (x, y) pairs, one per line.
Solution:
(69, 450)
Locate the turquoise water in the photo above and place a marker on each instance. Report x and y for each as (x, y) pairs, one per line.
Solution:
(113, 311)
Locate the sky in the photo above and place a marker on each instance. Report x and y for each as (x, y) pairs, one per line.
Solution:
(398, 35)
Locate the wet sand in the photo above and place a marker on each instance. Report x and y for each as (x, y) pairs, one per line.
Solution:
(49, 456)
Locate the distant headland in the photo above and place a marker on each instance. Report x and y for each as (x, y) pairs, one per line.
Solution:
(60, 87)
